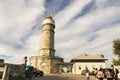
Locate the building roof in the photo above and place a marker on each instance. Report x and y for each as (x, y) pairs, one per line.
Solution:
(90, 57)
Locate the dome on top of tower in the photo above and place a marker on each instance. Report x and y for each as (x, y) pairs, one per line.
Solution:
(48, 20)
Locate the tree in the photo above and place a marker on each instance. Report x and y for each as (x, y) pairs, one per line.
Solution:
(116, 61)
(116, 51)
(116, 47)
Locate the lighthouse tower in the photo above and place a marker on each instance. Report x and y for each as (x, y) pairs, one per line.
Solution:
(46, 60)
(47, 47)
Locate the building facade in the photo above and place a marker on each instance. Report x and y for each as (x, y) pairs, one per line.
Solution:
(90, 61)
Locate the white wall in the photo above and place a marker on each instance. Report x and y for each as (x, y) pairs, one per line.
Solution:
(89, 65)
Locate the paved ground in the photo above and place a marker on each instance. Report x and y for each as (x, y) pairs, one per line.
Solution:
(62, 77)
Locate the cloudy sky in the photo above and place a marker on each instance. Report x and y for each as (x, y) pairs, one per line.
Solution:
(82, 26)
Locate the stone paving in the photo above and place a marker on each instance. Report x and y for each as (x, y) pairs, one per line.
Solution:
(62, 77)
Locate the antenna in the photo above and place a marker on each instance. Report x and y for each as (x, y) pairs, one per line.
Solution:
(50, 13)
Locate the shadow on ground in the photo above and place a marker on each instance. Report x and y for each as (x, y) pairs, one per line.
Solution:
(51, 78)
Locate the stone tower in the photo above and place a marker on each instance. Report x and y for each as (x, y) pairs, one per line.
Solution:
(47, 48)
(46, 60)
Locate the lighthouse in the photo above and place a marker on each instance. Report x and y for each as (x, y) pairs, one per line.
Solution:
(47, 47)
(46, 59)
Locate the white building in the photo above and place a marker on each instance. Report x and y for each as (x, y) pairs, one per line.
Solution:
(89, 61)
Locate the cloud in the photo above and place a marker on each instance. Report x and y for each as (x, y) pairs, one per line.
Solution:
(99, 25)
(69, 12)
(16, 21)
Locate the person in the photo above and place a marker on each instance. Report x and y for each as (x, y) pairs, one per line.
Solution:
(29, 72)
(114, 72)
(108, 75)
(100, 74)
(95, 73)
(87, 74)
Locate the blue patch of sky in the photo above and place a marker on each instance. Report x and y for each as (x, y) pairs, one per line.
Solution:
(5, 56)
(37, 25)
(97, 28)
(56, 5)
(103, 26)
(92, 38)
(100, 46)
(18, 46)
(107, 25)
(112, 3)
(86, 9)
(15, 45)
(25, 37)
(89, 7)
(117, 21)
